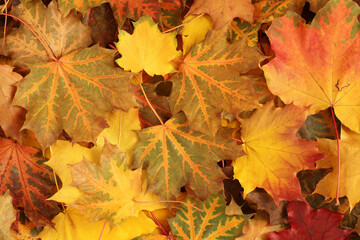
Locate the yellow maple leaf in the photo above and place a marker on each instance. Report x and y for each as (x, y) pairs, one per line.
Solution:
(62, 154)
(72, 225)
(111, 190)
(147, 48)
(350, 174)
(274, 153)
(121, 131)
(195, 31)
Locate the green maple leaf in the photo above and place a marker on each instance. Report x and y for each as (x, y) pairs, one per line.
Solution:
(212, 223)
(213, 77)
(68, 87)
(175, 157)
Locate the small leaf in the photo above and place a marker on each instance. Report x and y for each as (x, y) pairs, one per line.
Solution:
(147, 49)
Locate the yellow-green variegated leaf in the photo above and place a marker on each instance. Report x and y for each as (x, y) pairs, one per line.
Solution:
(56, 35)
(65, 6)
(212, 223)
(213, 77)
(73, 94)
(111, 191)
(176, 157)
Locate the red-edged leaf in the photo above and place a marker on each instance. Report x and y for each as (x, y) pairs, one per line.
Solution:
(30, 181)
(309, 224)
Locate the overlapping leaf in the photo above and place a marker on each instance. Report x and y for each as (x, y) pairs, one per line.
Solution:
(175, 157)
(7, 216)
(12, 117)
(274, 154)
(222, 12)
(66, 89)
(30, 182)
(167, 13)
(320, 71)
(56, 35)
(349, 173)
(111, 191)
(66, 6)
(307, 223)
(211, 223)
(212, 78)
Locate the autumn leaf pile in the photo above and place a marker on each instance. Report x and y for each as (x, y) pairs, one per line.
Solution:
(174, 119)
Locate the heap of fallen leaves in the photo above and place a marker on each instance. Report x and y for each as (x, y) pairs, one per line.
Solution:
(198, 119)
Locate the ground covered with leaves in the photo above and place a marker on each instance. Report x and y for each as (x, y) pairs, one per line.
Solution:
(175, 119)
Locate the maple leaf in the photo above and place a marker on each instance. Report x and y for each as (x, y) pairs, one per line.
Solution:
(71, 225)
(257, 228)
(65, 6)
(56, 35)
(62, 93)
(174, 157)
(29, 181)
(121, 131)
(12, 117)
(111, 191)
(7, 216)
(194, 31)
(320, 71)
(274, 154)
(147, 48)
(64, 153)
(212, 223)
(350, 157)
(307, 223)
(213, 77)
(103, 25)
(223, 12)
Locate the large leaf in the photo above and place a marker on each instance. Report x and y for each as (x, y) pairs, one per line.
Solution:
(111, 191)
(61, 92)
(66, 95)
(274, 153)
(322, 69)
(307, 223)
(56, 35)
(7, 216)
(12, 117)
(212, 78)
(176, 157)
(211, 223)
(30, 182)
(349, 172)
(223, 12)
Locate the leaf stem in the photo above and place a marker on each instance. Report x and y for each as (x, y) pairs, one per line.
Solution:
(339, 162)
(147, 100)
(102, 230)
(158, 223)
(171, 29)
(238, 140)
(170, 201)
(5, 25)
(49, 52)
